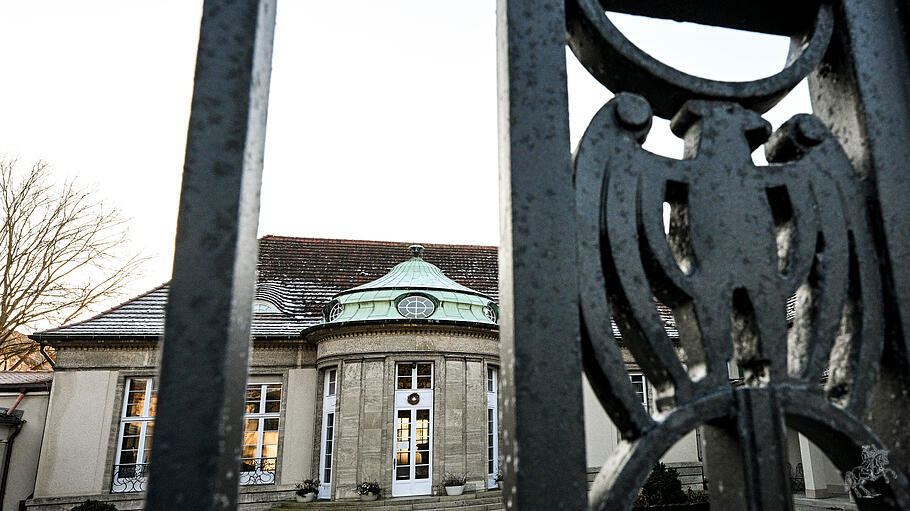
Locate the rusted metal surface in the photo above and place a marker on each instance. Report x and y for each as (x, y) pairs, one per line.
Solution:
(207, 328)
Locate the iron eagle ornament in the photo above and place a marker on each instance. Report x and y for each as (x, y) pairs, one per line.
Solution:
(769, 268)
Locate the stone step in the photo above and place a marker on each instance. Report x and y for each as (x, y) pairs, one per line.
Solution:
(471, 501)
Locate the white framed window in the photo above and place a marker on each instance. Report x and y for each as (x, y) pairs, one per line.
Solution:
(264, 307)
(137, 421)
(259, 457)
(134, 439)
(331, 382)
(416, 307)
(414, 375)
(327, 447)
(641, 388)
(492, 425)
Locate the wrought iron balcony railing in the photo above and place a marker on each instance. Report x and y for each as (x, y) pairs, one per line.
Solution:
(132, 478)
(257, 471)
(129, 478)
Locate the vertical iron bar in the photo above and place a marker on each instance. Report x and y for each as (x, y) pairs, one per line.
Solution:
(723, 465)
(763, 438)
(860, 91)
(196, 453)
(543, 428)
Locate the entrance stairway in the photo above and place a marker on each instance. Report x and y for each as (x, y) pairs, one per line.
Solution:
(469, 501)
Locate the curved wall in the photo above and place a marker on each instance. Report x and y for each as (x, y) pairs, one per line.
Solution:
(366, 358)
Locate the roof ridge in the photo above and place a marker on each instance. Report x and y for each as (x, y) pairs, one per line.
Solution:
(345, 241)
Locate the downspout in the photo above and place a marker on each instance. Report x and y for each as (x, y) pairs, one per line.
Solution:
(8, 455)
(41, 347)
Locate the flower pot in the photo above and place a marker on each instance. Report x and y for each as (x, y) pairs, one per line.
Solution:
(454, 490)
(369, 497)
(499, 484)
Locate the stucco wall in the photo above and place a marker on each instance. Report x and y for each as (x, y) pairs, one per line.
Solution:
(24, 461)
(297, 450)
(601, 435)
(73, 455)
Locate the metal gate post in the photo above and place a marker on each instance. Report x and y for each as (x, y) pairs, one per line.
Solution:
(543, 428)
(196, 453)
(861, 91)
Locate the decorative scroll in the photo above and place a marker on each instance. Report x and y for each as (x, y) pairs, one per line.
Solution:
(769, 268)
(129, 478)
(257, 471)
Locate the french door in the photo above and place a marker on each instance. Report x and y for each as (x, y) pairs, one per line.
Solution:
(413, 466)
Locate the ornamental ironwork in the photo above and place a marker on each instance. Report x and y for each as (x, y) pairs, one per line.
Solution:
(775, 269)
(741, 241)
(257, 471)
(129, 478)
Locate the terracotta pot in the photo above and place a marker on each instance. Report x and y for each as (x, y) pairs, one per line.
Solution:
(454, 490)
(369, 496)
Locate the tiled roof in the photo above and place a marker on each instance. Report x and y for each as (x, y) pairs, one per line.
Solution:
(297, 275)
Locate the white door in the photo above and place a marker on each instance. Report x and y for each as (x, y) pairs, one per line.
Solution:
(413, 467)
(492, 426)
(328, 433)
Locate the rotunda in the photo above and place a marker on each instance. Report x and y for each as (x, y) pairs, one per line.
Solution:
(407, 377)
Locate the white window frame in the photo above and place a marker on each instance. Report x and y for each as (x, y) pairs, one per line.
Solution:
(413, 485)
(263, 474)
(414, 375)
(644, 387)
(264, 307)
(492, 447)
(136, 482)
(330, 390)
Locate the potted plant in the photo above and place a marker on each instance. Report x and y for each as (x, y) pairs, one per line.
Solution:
(369, 490)
(454, 484)
(94, 505)
(498, 479)
(307, 490)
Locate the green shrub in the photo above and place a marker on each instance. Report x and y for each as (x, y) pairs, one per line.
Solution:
(94, 505)
(662, 487)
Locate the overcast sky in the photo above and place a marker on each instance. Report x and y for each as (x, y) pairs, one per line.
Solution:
(382, 119)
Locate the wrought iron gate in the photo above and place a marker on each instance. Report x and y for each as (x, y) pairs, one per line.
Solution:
(791, 271)
(829, 214)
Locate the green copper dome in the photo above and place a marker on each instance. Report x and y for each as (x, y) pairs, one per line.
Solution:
(413, 290)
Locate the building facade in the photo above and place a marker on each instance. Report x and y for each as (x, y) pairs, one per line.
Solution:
(370, 361)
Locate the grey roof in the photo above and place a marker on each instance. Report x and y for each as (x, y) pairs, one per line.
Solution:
(298, 276)
(25, 377)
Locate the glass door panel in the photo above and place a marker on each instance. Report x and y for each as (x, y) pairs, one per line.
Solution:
(413, 468)
(403, 445)
(422, 445)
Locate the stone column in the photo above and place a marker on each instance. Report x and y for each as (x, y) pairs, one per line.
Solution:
(372, 422)
(814, 462)
(454, 424)
(347, 412)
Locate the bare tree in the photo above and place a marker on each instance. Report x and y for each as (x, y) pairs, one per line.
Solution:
(62, 251)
